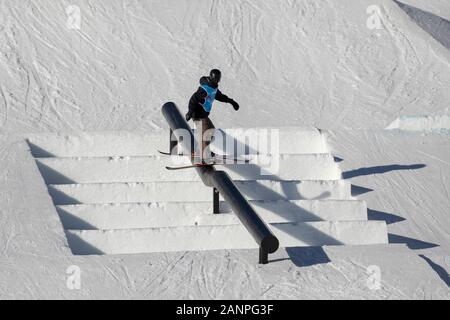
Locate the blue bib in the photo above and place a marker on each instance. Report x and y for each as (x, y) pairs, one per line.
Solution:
(210, 97)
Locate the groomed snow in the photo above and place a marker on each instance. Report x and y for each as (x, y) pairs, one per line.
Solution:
(294, 272)
(302, 64)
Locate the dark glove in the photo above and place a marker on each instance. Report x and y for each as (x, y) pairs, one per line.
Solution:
(235, 105)
(189, 116)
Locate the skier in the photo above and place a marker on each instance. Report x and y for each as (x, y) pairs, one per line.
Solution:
(200, 106)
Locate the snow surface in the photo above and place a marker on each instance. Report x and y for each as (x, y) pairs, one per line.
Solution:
(298, 63)
(288, 63)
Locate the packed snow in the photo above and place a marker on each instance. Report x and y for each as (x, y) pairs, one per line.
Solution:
(362, 212)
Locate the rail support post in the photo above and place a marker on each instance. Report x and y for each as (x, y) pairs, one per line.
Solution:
(263, 256)
(173, 143)
(216, 201)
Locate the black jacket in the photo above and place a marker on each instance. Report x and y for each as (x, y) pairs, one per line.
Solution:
(198, 98)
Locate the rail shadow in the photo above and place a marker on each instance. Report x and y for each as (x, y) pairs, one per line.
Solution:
(284, 209)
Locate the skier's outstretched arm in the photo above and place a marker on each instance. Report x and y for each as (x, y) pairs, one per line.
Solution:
(223, 98)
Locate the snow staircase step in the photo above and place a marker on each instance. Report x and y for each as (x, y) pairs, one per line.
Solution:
(170, 214)
(106, 144)
(152, 169)
(98, 193)
(114, 196)
(203, 238)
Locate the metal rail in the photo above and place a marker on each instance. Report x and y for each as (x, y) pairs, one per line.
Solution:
(221, 182)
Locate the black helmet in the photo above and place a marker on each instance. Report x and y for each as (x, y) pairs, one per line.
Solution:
(215, 76)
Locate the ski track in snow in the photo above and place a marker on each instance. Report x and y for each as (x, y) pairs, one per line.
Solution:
(126, 55)
(319, 65)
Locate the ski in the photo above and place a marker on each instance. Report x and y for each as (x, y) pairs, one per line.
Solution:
(217, 161)
(218, 157)
(193, 166)
(164, 153)
(231, 159)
